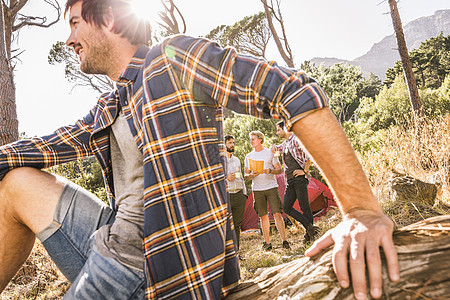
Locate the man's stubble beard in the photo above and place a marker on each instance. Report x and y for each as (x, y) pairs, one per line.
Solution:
(97, 59)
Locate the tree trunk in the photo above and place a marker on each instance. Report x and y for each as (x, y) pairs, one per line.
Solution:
(406, 62)
(9, 130)
(287, 57)
(424, 256)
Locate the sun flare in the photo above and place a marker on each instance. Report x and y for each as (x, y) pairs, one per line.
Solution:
(145, 9)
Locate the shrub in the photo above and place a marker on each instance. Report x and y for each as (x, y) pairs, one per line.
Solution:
(86, 173)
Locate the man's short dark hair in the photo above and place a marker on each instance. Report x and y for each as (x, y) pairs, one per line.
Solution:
(127, 24)
(281, 124)
(228, 137)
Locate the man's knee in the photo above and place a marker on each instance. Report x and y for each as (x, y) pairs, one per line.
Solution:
(12, 183)
(264, 217)
(30, 196)
(278, 216)
(26, 178)
(17, 177)
(22, 181)
(287, 208)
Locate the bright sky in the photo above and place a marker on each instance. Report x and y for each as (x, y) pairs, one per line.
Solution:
(321, 28)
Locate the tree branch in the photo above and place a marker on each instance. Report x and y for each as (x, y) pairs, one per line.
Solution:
(283, 30)
(170, 19)
(286, 54)
(16, 6)
(181, 16)
(16, 56)
(37, 21)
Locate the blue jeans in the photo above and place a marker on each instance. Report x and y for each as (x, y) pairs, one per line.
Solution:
(297, 188)
(70, 242)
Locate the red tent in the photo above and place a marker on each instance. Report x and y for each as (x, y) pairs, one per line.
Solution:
(320, 199)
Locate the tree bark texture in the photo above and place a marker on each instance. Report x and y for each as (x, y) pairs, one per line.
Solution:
(406, 62)
(424, 256)
(9, 130)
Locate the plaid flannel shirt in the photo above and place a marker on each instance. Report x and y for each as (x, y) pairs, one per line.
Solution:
(296, 149)
(172, 96)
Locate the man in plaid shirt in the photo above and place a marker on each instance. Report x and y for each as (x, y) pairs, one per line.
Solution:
(157, 136)
(296, 164)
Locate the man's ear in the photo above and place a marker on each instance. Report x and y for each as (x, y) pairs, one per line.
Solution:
(110, 20)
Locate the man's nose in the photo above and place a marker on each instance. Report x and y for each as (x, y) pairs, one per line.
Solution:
(71, 40)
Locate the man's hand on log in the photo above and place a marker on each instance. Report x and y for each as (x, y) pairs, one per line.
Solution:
(356, 240)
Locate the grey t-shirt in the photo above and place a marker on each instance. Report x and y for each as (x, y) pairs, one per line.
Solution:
(123, 239)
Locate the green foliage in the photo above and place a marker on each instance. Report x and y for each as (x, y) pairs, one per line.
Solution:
(86, 173)
(436, 101)
(249, 35)
(431, 66)
(369, 87)
(345, 86)
(430, 63)
(361, 136)
(392, 107)
(393, 73)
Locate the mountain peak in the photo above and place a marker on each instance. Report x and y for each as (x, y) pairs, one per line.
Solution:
(384, 54)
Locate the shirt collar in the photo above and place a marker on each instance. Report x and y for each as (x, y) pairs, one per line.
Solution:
(132, 69)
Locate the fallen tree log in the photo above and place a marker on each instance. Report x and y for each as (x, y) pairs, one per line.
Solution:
(424, 257)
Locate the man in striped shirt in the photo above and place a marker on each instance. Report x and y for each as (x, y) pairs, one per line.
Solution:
(167, 194)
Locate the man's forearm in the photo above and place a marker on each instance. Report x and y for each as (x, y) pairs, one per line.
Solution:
(276, 171)
(328, 145)
(248, 176)
(307, 165)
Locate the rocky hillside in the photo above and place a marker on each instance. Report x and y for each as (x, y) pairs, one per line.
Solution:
(383, 54)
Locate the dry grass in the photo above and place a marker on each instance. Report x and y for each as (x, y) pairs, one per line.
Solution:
(39, 278)
(255, 258)
(424, 155)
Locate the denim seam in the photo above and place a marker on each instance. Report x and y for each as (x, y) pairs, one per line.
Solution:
(73, 245)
